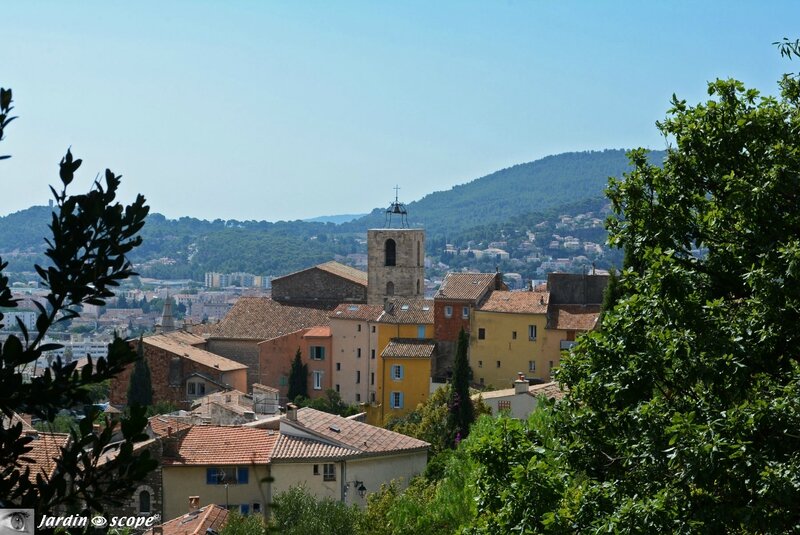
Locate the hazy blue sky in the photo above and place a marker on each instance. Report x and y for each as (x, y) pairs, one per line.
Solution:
(287, 110)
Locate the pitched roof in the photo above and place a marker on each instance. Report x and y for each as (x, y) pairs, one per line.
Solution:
(357, 312)
(409, 348)
(407, 311)
(573, 317)
(209, 519)
(290, 448)
(334, 268)
(516, 302)
(465, 286)
(550, 390)
(195, 354)
(161, 423)
(15, 419)
(353, 434)
(215, 445)
(185, 337)
(261, 318)
(46, 448)
(318, 332)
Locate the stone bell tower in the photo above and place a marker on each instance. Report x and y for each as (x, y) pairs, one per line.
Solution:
(395, 259)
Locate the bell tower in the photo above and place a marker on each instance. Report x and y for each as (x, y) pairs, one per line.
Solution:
(396, 258)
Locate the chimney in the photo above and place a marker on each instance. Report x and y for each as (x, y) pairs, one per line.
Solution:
(250, 416)
(194, 503)
(520, 385)
(291, 412)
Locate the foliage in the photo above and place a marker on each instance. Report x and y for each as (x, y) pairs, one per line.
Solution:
(461, 412)
(331, 402)
(237, 524)
(297, 512)
(140, 387)
(161, 407)
(91, 236)
(298, 378)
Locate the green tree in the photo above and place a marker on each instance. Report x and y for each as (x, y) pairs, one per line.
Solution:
(462, 413)
(297, 512)
(91, 236)
(298, 378)
(140, 386)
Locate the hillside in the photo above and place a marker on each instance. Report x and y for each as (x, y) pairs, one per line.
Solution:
(533, 187)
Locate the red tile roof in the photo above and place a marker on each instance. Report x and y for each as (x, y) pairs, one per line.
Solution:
(357, 312)
(408, 311)
(573, 317)
(199, 522)
(214, 445)
(350, 433)
(160, 424)
(318, 332)
(409, 348)
(291, 448)
(46, 448)
(335, 268)
(261, 318)
(516, 302)
(466, 286)
(200, 356)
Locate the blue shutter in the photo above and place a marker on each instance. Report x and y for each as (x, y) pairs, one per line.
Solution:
(211, 476)
(420, 331)
(245, 508)
(402, 372)
(242, 475)
(401, 401)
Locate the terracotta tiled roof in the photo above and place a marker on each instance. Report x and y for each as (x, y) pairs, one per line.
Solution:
(15, 419)
(259, 386)
(335, 268)
(209, 519)
(550, 390)
(357, 312)
(363, 437)
(318, 332)
(465, 286)
(201, 356)
(290, 448)
(261, 318)
(111, 453)
(573, 317)
(516, 302)
(185, 337)
(160, 424)
(409, 348)
(239, 402)
(408, 311)
(46, 447)
(216, 445)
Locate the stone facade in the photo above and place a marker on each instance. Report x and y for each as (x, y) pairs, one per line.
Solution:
(396, 260)
(317, 287)
(242, 351)
(576, 289)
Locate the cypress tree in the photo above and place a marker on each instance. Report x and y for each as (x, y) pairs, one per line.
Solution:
(461, 413)
(298, 378)
(140, 388)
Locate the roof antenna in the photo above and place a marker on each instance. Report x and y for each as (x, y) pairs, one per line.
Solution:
(397, 208)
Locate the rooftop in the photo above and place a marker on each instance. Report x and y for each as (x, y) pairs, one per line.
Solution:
(466, 286)
(409, 348)
(357, 312)
(261, 318)
(302, 448)
(407, 311)
(201, 356)
(45, 449)
(550, 390)
(318, 332)
(208, 519)
(573, 317)
(215, 445)
(516, 302)
(335, 268)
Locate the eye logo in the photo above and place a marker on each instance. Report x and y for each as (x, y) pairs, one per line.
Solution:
(99, 521)
(16, 521)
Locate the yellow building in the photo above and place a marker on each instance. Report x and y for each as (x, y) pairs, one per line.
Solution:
(403, 320)
(509, 336)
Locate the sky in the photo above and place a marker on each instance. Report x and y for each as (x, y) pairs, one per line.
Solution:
(284, 110)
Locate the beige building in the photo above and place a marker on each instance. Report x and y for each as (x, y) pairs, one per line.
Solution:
(355, 366)
(521, 400)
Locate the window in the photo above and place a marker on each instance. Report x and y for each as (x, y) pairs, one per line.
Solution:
(338, 366)
(531, 365)
(397, 400)
(196, 389)
(481, 334)
(358, 327)
(372, 355)
(465, 312)
(498, 363)
(419, 255)
(283, 381)
(358, 397)
(201, 389)
(190, 388)
(316, 469)
(329, 472)
(372, 378)
(397, 372)
(531, 332)
(513, 335)
(317, 380)
(390, 288)
(244, 509)
(358, 376)
(420, 331)
(390, 249)
(551, 365)
(219, 475)
(373, 328)
(417, 286)
(317, 352)
(372, 397)
(144, 502)
(480, 364)
(256, 508)
(481, 381)
(448, 311)
(504, 405)
(358, 353)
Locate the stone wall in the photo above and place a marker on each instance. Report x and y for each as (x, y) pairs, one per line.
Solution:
(242, 351)
(576, 289)
(407, 275)
(317, 287)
